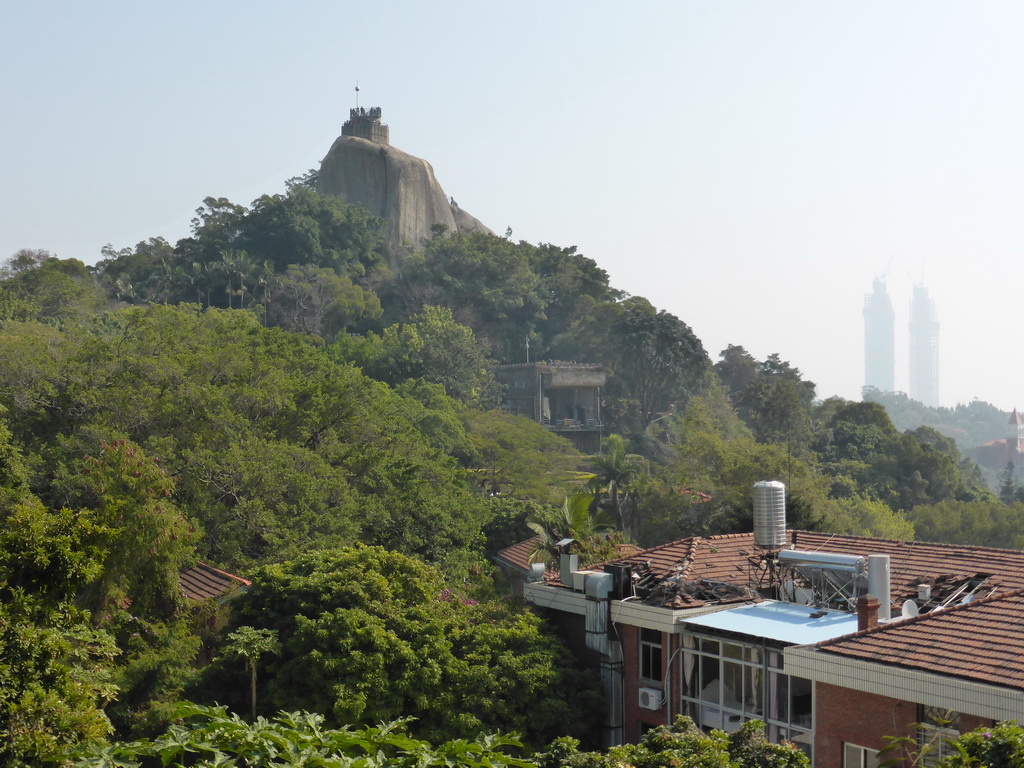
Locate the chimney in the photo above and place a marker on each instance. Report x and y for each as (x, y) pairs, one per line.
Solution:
(867, 613)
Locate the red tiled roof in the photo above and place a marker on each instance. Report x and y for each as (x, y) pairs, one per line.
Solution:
(718, 558)
(734, 559)
(203, 581)
(518, 555)
(982, 640)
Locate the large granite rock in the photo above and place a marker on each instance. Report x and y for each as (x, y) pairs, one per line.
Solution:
(395, 186)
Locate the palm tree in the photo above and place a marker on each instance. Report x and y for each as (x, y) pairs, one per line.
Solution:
(573, 520)
(615, 471)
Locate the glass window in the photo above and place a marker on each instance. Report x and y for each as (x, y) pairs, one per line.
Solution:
(778, 697)
(859, 757)
(938, 726)
(729, 682)
(650, 654)
(732, 685)
(753, 690)
(801, 701)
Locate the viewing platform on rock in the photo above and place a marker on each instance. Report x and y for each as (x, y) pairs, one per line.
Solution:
(365, 124)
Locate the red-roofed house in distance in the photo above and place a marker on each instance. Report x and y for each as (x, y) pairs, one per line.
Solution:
(203, 582)
(996, 454)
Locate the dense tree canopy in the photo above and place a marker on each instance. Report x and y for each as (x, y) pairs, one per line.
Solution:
(370, 635)
(274, 446)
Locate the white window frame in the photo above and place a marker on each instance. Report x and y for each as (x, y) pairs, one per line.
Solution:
(856, 756)
(766, 661)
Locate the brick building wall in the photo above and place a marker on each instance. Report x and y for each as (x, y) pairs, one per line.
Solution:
(635, 718)
(843, 716)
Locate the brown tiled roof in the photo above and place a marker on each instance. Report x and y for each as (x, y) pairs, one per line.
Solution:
(982, 640)
(518, 555)
(719, 558)
(734, 559)
(203, 581)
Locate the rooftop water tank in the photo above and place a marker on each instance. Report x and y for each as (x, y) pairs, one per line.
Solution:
(770, 514)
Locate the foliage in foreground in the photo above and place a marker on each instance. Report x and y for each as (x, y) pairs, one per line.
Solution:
(210, 737)
(683, 745)
(1001, 746)
(998, 746)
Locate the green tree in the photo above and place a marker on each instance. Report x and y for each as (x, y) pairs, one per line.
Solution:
(149, 539)
(507, 522)
(737, 369)
(251, 644)
(576, 520)
(487, 282)
(317, 300)
(211, 736)
(861, 516)
(48, 289)
(721, 470)
(618, 474)
(54, 667)
(273, 444)
(513, 456)
(655, 360)
(431, 346)
(304, 228)
(999, 746)
(683, 745)
(988, 523)
(370, 635)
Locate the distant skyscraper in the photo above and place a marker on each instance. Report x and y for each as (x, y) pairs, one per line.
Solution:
(879, 339)
(924, 349)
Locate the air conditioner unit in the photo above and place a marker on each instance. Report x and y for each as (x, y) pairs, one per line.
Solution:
(650, 698)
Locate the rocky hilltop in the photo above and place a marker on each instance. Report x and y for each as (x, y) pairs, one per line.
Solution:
(363, 168)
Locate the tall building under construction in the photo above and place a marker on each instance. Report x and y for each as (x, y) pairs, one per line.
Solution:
(924, 349)
(879, 339)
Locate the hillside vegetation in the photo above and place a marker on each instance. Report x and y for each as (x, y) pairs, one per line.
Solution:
(268, 396)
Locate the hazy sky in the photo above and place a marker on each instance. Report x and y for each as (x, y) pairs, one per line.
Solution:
(748, 166)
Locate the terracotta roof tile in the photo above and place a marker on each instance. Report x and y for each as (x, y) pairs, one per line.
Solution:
(735, 559)
(203, 581)
(981, 640)
(518, 555)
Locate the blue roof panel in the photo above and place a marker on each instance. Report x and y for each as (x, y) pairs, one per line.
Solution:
(781, 622)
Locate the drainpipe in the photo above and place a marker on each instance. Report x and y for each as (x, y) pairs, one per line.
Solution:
(598, 589)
